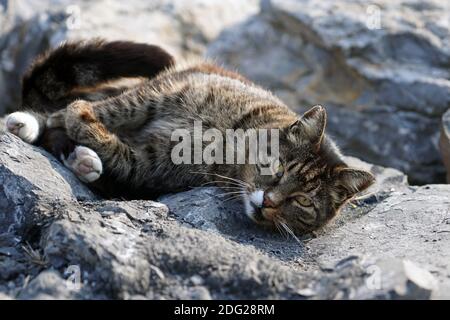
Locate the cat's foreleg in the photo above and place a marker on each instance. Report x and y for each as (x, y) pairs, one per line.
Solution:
(82, 126)
(85, 163)
(128, 110)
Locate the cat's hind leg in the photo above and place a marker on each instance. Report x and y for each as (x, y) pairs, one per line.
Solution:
(26, 125)
(82, 161)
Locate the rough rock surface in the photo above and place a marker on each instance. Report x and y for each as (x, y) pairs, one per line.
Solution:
(57, 240)
(184, 28)
(381, 68)
(444, 142)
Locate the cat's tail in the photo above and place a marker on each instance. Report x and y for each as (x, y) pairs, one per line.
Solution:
(54, 77)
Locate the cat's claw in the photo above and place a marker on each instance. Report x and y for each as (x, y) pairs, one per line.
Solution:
(23, 125)
(85, 163)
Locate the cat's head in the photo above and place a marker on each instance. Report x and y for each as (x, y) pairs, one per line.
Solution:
(311, 182)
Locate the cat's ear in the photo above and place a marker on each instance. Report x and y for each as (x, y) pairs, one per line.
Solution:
(351, 181)
(312, 125)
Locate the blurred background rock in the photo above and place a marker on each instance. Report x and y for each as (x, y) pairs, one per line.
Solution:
(382, 68)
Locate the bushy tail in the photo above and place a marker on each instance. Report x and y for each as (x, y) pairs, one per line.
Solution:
(55, 77)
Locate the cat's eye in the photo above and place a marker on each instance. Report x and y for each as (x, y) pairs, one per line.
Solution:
(280, 171)
(303, 201)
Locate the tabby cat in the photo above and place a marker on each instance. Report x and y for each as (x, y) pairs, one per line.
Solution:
(108, 109)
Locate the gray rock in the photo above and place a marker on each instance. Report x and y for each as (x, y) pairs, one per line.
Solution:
(380, 68)
(22, 37)
(388, 278)
(184, 28)
(444, 142)
(46, 286)
(412, 225)
(4, 297)
(196, 246)
(404, 277)
(25, 192)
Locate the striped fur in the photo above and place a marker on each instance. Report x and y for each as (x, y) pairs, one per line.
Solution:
(131, 129)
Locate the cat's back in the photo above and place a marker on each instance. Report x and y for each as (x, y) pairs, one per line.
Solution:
(208, 93)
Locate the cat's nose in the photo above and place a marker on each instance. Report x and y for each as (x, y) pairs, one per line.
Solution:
(268, 203)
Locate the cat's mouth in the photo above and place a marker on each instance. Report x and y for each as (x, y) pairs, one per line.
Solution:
(257, 213)
(254, 209)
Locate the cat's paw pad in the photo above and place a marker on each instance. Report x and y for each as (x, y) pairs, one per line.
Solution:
(85, 163)
(23, 125)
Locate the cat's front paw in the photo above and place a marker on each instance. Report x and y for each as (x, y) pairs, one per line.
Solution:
(85, 163)
(23, 125)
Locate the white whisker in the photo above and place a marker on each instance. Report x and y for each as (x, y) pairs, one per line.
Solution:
(289, 230)
(243, 183)
(221, 181)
